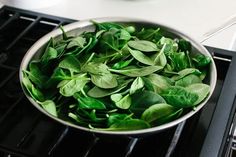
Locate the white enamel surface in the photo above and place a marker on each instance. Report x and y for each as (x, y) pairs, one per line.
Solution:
(194, 17)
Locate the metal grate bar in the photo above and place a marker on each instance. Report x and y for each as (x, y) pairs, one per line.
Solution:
(24, 138)
(59, 140)
(131, 146)
(10, 110)
(14, 16)
(22, 33)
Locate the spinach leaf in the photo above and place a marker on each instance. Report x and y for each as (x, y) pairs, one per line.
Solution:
(139, 56)
(36, 75)
(184, 45)
(144, 99)
(143, 45)
(122, 64)
(179, 97)
(107, 25)
(188, 80)
(100, 75)
(90, 103)
(186, 72)
(133, 71)
(160, 58)
(123, 103)
(136, 85)
(77, 42)
(49, 106)
(97, 92)
(129, 124)
(34, 92)
(159, 82)
(201, 61)
(116, 117)
(202, 90)
(104, 80)
(149, 34)
(68, 88)
(71, 63)
(157, 111)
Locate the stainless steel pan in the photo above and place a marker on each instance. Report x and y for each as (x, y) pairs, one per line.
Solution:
(81, 26)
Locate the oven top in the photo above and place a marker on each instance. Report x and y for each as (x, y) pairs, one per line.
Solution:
(24, 131)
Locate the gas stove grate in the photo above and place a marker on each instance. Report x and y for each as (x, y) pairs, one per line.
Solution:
(24, 131)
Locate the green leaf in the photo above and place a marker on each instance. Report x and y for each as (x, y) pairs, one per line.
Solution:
(34, 92)
(157, 111)
(104, 80)
(100, 75)
(159, 82)
(107, 25)
(139, 56)
(179, 97)
(117, 117)
(184, 45)
(122, 64)
(49, 54)
(116, 97)
(36, 75)
(50, 107)
(186, 72)
(133, 71)
(201, 61)
(71, 63)
(149, 34)
(77, 42)
(90, 103)
(144, 99)
(129, 124)
(97, 92)
(143, 45)
(160, 58)
(124, 103)
(76, 84)
(188, 80)
(137, 84)
(202, 90)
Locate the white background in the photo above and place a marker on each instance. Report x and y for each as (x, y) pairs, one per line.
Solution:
(193, 17)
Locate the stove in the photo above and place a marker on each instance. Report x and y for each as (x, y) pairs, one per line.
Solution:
(25, 132)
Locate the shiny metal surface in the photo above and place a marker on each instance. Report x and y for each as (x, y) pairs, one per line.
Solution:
(81, 26)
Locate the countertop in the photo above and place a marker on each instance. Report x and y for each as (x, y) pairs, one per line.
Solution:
(193, 17)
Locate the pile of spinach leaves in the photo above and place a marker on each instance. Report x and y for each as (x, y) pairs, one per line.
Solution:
(118, 77)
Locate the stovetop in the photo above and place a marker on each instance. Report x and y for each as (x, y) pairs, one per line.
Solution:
(24, 131)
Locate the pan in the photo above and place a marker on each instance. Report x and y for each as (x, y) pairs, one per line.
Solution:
(88, 26)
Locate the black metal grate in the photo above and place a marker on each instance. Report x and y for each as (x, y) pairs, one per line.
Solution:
(24, 131)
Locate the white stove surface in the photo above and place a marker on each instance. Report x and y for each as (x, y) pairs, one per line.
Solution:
(193, 17)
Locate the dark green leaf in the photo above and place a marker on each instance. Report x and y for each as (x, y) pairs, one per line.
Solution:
(143, 45)
(201, 60)
(137, 84)
(179, 97)
(90, 103)
(76, 84)
(202, 90)
(184, 45)
(139, 56)
(188, 80)
(71, 63)
(144, 99)
(156, 112)
(129, 124)
(133, 71)
(122, 64)
(96, 92)
(186, 72)
(50, 107)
